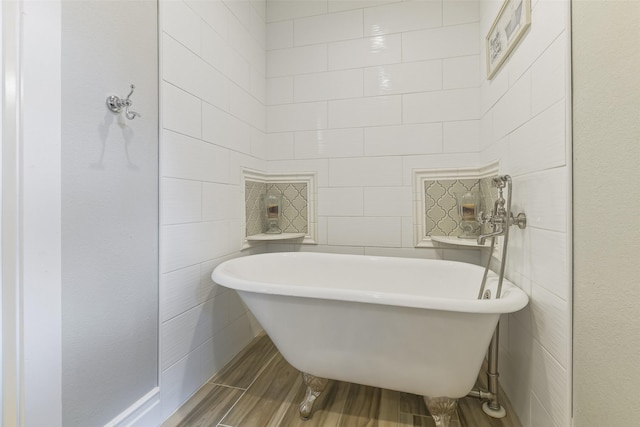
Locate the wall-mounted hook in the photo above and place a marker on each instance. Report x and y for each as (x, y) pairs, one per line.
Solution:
(116, 105)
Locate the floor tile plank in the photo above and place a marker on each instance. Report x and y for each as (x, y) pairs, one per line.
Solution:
(206, 408)
(260, 403)
(274, 389)
(245, 367)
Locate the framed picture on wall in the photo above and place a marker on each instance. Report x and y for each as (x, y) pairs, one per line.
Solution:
(508, 28)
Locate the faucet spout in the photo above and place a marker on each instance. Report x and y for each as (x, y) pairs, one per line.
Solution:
(483, 237)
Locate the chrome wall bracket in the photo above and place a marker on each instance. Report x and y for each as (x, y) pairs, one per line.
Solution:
(116, 104)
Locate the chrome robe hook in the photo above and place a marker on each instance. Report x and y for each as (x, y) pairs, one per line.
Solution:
(116, 104)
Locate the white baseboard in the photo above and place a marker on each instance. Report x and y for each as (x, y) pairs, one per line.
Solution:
(144, 413)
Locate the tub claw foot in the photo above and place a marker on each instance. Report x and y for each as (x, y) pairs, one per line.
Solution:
(315, 386)
(441, 409)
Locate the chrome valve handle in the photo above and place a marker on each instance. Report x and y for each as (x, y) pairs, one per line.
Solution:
(116, 104)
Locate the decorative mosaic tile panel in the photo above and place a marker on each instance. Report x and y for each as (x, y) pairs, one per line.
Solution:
(294, 206)
(441, 210)
(255, 220)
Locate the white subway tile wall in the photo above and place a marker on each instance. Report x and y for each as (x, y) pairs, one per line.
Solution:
(524, 123)
(361, 92)
(214, 122)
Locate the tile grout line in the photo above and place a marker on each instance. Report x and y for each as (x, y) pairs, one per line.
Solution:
(245, 390)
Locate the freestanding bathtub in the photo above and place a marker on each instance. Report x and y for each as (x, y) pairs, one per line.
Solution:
(410, 325)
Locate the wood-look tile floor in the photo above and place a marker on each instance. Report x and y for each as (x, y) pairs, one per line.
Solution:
(258, 388)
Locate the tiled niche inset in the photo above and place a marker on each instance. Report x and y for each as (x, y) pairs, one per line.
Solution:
(441, 216)
(298, 203)
(435, 204)
(295, 206)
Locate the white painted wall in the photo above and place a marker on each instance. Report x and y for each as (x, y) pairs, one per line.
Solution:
(363, 93)
(35, 202)
(525, 122)
(606, 240)
(213, 123)
(109, 201)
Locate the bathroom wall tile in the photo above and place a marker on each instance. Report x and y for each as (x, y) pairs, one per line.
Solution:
(280, 90)
(545, 202)
(486, 130)
(552, 17)
(184, 377)
(358, 231)
(189, 158)
(297, 117)
(258, 86)
(225, 236)
(241, 39)
(403, 78)
(295, 199)
(369, 51)
(456, 12)
(213, 12)
(181, 111)
(368, 171)
(344, 201)
(492, 90)
(328, 28)
(403, 139)
(261, 7)
(515, 379)
(247, 108)
(179, 291)
(319, 166)
(444, 42)
(539, 144)
(181, 201)
(550, 324)
(373, 111)
(217, 52)
(436, 161)
(338, 5)
(297, 60)
(220, 201)
(254, 218)
(325, 86)
(329, 143)
(189, 72)
(250, 19)
(185, 332)
(182, 23)
(388, 201)
(539, 415)
(549, 262)
(236, 308)
(189, 244)
(514, 109)
(462, 72)
(280, 146)
(550, 383)
(225, 130)
(461, 137)
(548, 77)
(441, 106)
(399, 17)
(321, 236)
(280, 10)
(279, 35)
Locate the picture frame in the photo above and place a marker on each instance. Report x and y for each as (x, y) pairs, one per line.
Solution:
(510, 25)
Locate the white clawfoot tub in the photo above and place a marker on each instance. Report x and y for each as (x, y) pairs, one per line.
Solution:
(410, 325)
